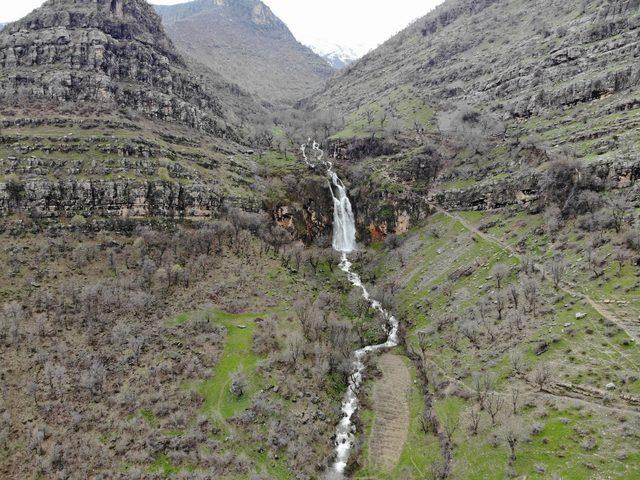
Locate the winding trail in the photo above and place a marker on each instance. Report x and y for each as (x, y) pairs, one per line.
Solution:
(564, 286)
(344, 242)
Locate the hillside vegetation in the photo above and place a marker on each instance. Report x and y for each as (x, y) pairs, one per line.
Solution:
(171, 305)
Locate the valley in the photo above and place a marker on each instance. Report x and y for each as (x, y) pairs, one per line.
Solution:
(224, 258)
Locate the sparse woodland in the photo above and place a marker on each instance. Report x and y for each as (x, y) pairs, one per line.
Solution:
(170, 302)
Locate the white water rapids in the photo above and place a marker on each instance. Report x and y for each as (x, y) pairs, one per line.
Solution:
(344, 241)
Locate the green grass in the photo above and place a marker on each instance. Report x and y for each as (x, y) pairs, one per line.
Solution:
(237, 356)
(163, 465)
(590, 352)
(219, 403)
(401, 105)
(149, 417)
(279, 163)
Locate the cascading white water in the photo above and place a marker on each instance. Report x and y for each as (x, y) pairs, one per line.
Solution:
(344, 224)
(344, 241)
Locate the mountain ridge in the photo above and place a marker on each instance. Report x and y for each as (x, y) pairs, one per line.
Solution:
(338, 56)
(247, 44)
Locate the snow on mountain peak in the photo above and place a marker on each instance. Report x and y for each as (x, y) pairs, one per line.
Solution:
(338, 56)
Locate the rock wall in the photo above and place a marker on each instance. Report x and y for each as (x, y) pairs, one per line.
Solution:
(106, 53)
(525, 188)
(123, 198)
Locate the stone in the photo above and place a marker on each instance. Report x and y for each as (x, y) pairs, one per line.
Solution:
(580, 315)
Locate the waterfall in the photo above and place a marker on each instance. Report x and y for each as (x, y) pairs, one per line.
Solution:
(344, 224)
(344, 241)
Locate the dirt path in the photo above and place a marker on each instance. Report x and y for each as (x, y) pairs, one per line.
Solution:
(391, 408)
(564, 286)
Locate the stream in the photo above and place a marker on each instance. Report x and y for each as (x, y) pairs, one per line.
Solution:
(344, 242)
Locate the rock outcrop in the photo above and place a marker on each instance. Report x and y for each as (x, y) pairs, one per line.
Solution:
(106, 53)
(116, 198)
(525, 188)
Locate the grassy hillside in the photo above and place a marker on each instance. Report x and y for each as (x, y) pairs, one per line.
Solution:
(557, 366)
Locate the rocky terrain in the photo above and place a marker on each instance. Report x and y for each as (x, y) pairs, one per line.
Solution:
(565, 81)
(247, 44)
(114, 54)
(172, 306)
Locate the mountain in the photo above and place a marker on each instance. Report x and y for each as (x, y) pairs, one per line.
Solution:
(515, 125)
(337, 56)
(245, 42)
(512, 60)
(120, 56)
(100, 79)
(500, 76)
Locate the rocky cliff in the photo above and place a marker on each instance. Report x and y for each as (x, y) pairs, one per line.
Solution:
(525, 188)
(101, 116)
(107, 53)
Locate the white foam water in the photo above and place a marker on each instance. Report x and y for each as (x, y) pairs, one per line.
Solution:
(344, 241)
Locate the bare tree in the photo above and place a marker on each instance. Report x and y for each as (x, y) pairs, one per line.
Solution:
(622, 256)
(514, 295)
(382, 118)
(423, 343)
(501, 300)
(513, 434)
(557, 268)
(469, 329)
(531, 292)
(515, 398)
(516, 361)
(429, 422)
(93, 379)
(527, 264)
(473, 416)
(494, 403)
(450, 425)
(371, 115)
(294, 351)
(619, 208)
(483, 383)
(55, 376)
(541, 375)
(593, 261)
(552, 220)
(499, 272)
(11, 321)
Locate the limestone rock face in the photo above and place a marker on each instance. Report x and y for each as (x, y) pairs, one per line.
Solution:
(123, 198)
(525, 187)
(113, 52)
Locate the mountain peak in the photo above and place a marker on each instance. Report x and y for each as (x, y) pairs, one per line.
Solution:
(251, 11)
(120, 19)
(248, 44)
